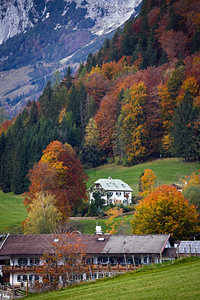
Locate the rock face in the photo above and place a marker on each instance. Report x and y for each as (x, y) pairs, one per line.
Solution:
(38, 37)
(14, 18)
(100, 16)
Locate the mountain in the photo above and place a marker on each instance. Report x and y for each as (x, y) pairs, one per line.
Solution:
(38, 37)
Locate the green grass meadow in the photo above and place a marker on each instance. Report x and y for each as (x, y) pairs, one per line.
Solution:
(88, 226)
(180, 280)
(168, 171)
(12, 212)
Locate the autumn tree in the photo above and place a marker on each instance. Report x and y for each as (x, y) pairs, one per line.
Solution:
(105, 120)
(90, 153)
(43, 216)
(97, 85)
(111, 221)
(133, 122)
(60, 173)
(165, 211)
(63, 262)
(147, 183)
(191, 189)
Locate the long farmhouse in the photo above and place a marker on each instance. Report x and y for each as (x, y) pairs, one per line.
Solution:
(20, 255)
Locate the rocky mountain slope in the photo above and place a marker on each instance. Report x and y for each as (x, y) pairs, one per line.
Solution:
(42, 36)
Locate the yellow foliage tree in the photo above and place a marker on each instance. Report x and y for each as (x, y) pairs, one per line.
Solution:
(165, 211)
(91, 134)
(192, 180)
(167, 104)
(113, 213)
(191, 85)
(133, 122)
(147, 183)
(43, 216)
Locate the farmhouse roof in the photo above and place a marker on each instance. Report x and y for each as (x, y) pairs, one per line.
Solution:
(114, 185)
(94, 244)
(136, 244)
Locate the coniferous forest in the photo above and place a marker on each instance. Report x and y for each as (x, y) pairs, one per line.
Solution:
(136, 99)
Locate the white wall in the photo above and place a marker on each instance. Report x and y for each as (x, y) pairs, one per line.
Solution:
(116, 196)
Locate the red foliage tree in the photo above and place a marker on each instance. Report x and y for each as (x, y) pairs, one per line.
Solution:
(63, 262)
(59, 172)
(97, 85)
(173, 43)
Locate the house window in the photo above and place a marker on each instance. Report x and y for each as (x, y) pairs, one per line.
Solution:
(31, 277)
(24, 277)
(138, 260)
(18, 278)
(36, 277)
(34, 261)
(22, 261)
(105, 260)
(145, 259)
(118, 193)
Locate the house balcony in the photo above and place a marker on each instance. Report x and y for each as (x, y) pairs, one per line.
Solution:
(106, 268)
(103, 268)
(15, 269)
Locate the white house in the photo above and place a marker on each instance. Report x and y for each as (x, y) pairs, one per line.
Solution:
(112, 191)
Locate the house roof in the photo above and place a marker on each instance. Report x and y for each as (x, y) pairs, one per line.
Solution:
(94, 244)
(114, 185)
(136, 244)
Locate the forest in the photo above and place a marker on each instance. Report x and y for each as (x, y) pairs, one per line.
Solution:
(136, 99)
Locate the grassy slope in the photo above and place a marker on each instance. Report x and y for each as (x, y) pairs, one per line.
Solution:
(88, 226)
(179, 281)
(12, 211)
(168, 171)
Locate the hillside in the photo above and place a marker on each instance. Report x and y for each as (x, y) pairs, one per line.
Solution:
(45, 36)
(127, 104)
(13, 212)
(162, 283)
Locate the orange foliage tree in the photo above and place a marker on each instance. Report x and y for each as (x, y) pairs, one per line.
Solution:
(60, 173)
(4, 127)
(165, 211)
(110, 70)
(63, 262)
(147, 183)
(106, 119)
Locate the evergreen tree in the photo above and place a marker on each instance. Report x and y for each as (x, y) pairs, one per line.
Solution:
(182, 132)
(82, 98)
(45, 98)
(5, 164)
(33, 117)
(175, 81)
(196, 41)
(68, 78)
(89, 62)
(73, 105)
